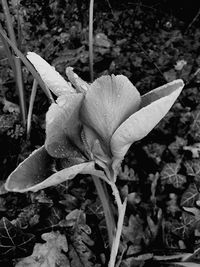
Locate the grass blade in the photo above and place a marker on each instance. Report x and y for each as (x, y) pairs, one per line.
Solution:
(28, 65)
(20, 84)
(8, 53)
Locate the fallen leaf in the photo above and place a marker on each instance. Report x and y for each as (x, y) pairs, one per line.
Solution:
(48, 254)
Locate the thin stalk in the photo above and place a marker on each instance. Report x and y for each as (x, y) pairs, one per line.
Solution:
(91, 11)
(121, 213)
(104, 198)
(31, 104)
(18, 71)
(20, 84)
(8, 53)
(9, 22)
(28, 65)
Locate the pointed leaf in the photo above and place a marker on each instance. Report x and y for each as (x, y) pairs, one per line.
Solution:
(190, 196)
(193, 168)
(170, 175)
(63, 126)
(108, 102)
(195, 126)
(13, 242)
(154, 105)
(53, 80)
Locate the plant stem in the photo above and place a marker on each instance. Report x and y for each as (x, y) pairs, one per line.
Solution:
(91, 39)
(103, 195)
(17, 62)
(121, 212)
(30, 110)
(29, 66)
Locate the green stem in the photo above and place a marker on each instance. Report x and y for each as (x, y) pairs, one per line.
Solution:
(91, 39)
(30, 110)
(121, 212)
(104, 197)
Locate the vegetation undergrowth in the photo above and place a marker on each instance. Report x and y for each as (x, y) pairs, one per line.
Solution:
(160, 174)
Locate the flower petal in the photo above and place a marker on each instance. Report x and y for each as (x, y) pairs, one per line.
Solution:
(155, 105)
(53, 80)
(32, 173)
(80, 85)
(108, 102)
(63, 126)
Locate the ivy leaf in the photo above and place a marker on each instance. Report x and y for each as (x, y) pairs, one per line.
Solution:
(193, 168)
(190, 196)
(48, 254)
(175, 146)
(195, 126)
(170, 175)
(13, 241)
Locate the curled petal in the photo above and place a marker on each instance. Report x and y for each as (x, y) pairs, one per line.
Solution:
(108, 102)
(32, 173)
(80, 85)
(53, 80)
(63, 126)
(155, 105)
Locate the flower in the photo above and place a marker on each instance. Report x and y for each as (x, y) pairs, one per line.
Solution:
(89, 125)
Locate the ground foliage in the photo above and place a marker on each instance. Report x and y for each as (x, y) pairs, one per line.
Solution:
(151, 42)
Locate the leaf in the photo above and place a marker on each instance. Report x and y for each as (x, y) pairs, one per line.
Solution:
(195, 126)
(48, 254)
(134, 232)
(175, 146)
(170, 175)
(193, 168)
(194, 149)
(7, 122)
(28, 217)
(13, 242)
(186, 264)
(190, 196)
(80, 253)
(196, 120)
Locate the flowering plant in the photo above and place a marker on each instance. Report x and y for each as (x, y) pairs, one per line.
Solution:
(91, 125)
